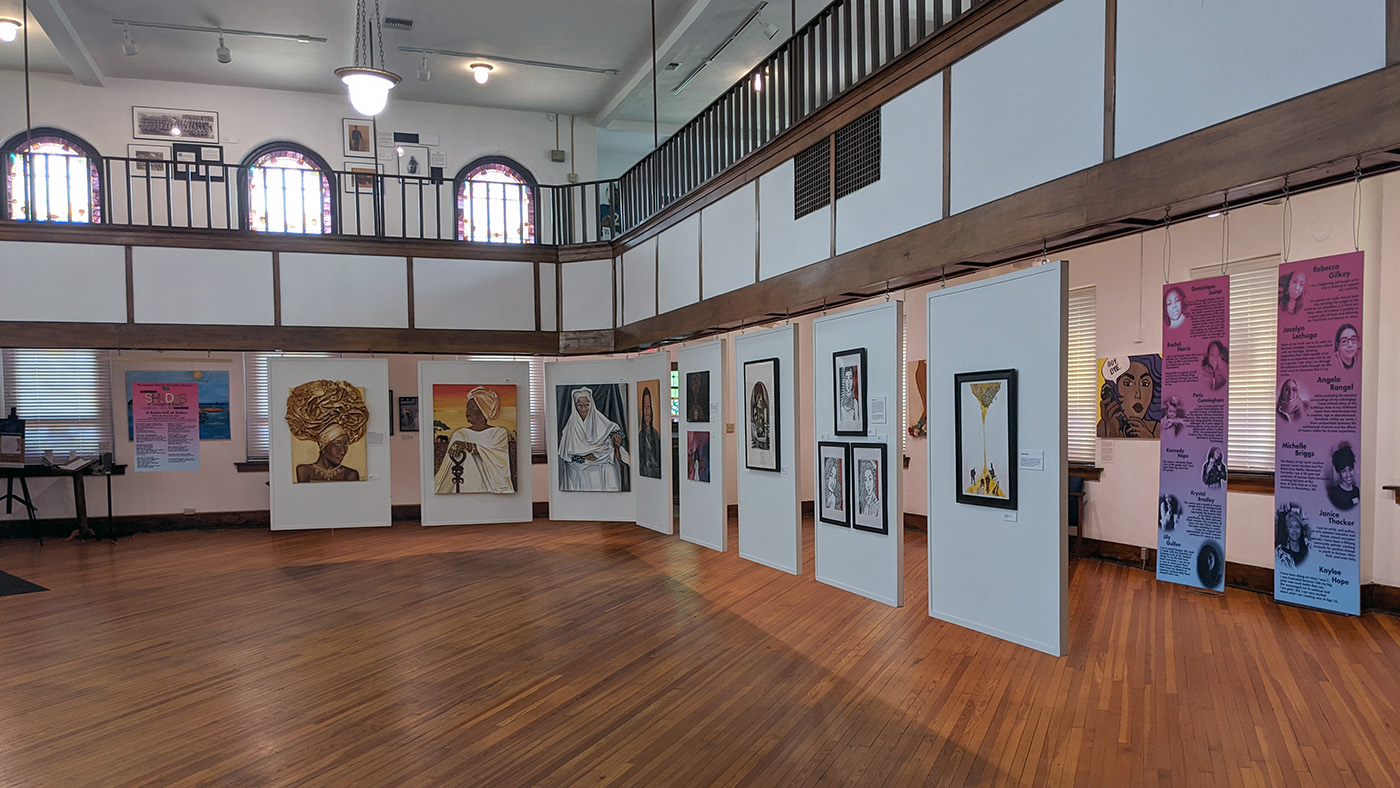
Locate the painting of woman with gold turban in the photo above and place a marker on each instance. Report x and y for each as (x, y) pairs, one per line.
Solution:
(329, 418)
(479, 455)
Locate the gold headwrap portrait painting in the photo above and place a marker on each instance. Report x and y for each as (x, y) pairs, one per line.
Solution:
(328, 420)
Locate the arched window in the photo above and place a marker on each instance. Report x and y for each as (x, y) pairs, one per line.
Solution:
(52, 176)
(287, 189)
(496, 202)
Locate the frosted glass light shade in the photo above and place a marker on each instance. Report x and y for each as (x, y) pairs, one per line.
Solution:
(369, 88)
(9, 30)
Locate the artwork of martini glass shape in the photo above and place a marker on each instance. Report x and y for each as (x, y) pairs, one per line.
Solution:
(984, 481)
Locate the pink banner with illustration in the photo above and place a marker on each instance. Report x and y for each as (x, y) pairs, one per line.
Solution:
(1317, 475)
(165, 426)
(1195, 418)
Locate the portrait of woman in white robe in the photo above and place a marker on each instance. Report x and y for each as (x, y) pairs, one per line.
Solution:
(592, 454)
(479, 452)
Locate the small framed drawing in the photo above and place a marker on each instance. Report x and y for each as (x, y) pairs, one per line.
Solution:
(413, 161)
(762, 436)
(357, 137)
(850, 395)
(984, 413)
(149, 160)
(190, 125)
(834, 462)
(360, 177)
(408, 414)
(869, 483)
(697, 396)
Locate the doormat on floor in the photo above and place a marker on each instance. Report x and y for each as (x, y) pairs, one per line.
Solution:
(11, 585)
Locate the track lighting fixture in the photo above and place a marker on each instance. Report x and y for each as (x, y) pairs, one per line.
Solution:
(128, 46)
(424, 73)
(222, 54)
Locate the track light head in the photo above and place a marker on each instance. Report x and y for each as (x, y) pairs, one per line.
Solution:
(424, 73)
(769, 29)
(222, 54)
(128, 46)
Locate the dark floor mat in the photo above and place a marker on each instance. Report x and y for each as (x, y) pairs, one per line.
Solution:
(11, 585)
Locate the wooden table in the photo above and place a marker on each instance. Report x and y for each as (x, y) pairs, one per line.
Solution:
(39, 471)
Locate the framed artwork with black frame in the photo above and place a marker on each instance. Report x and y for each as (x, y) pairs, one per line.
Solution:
(984, 406)
(159, 123)
(869, 484)
(697, 397)
(408, 414)
(762, 431)
(834, 483)
(848, 370)
(361, 177)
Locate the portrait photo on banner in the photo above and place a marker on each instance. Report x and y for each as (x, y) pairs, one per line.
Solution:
(475, 438)
(761, 433)
(1130, 397)
(648, 435)
(593, 451)
(328, 420)
(834, 495)
(984, 406)
(848, 368)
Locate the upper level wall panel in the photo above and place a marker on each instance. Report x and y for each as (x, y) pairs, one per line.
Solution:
(786, 243)
(473, 294)
(587, 295)
(730, 253)
(639, 282)
(62, 282)
(343, 290)
(678, 281)
(219, 287)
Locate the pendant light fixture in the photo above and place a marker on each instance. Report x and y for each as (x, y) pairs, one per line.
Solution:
(481, 72)
(368, 82)
(9, 30)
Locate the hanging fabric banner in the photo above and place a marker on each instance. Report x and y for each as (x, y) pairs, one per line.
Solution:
(1195, 415)
(1317, 477)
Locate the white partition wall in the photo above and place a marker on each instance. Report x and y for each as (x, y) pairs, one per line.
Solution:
(704, 513)
(330, 504)
(770, 506)
(862, 562)
(620, 506)
(451, 508)
(62, 282)
(654, 507)
(995, 570)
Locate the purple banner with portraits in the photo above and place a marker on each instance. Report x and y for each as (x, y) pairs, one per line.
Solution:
(1195, 417)
(1317, 484)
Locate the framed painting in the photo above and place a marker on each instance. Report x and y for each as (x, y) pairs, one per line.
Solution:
(413, 161)
(762, 436)
(361, 177)
(648, 436)
(984, 405)
(870, 484)
(592, 446)
(149, 160)
(408, 414)
(357, 137)
(474, 438)
(697, 396)
(697, 455)
(190, 125)
(850, 391)
(328, 420)
(834, 465)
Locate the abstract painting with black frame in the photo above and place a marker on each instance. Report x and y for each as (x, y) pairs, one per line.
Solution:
(762, 431)
(849, 384)
(985, 418)
(869, 485)
(834, 483)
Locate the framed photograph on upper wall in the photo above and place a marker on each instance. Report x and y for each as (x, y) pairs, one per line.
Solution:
(697, 396)
(850, 395)
(834, 497)
(984, 413)
(413, 161)
(762, 446)
(150, 160)
(357, 137)
(869, 485)
(361, 177)
(190, 125)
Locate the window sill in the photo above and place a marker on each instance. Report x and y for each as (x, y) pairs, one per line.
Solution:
(1088, 473)
(1395, 488)
(1250, 481)
(252, 466)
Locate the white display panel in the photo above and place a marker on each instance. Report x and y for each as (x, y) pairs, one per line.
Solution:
(1185, 66)
(911, 167)
(473, 294)
(549, 312)
(679, 264)
(998, 571)
(1028, 107)
(338, 504)
(343, 290)
(586, 292)
(471, 508)
(218, 287)
(655, 509)
(78, 283)
(572, 505)
(787, 244)
(770, 505)
(729, 251)
(639, 282)
(865, 563)
(704, 513)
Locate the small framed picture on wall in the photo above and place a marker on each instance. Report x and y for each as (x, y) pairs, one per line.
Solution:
(850, 391)
(360, 177)
(697, 396)
(149, 160)
(834, 468)
(357, 137)
(869, 487)
(984, 413)
(761, 434)
(408, 414)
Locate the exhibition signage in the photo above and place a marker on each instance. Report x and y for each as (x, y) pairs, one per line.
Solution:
(1317, 498)
(165, 426)
(1195, 415)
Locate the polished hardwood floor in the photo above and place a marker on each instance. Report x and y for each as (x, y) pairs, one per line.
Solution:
(594, 654)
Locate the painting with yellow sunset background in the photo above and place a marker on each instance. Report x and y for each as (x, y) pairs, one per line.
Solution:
(474, 438)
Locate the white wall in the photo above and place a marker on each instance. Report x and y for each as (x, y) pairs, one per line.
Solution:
(770, 508)
(343, 290)
(78, 283)
(787, 244)
(655, 507)
(587, 294)
(480, 294)
(679, 265)
(729, 231)
(221, 287)
(639, 282)
(704, 511)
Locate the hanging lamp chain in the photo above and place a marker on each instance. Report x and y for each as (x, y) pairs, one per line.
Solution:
(379, 28)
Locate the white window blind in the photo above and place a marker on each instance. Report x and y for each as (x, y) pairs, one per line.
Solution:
(65, 396)
(1253, 360)
(537, 433)
(1082, 396)
(256, 419)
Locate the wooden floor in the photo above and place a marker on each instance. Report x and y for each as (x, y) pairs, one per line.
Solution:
(605, 655)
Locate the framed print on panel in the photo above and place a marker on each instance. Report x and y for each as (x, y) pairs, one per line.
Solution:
(984, 406)
(361, 176)
(474, 438)
(408, 414)
(648, 436)
(834, 463)
(413, 162)
(328, 420)
(762, 436)
(190, 125)
(869, 485)
(149, 159)
(697, 396)
(594, 455)
(850, 395)
(357, 137)
(697, 455)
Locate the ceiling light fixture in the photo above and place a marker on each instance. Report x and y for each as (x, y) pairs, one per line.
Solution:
(222, 54)
(424, 73)
(300, 38)
(757, 82)
(481, 72)
(707, 61)
(128, 46)
(368, 83)
(769, 29)
(9, 30)
(477, 56)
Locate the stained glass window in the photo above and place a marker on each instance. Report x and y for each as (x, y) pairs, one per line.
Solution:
(288, 193)
(495, 204)
(50, 179)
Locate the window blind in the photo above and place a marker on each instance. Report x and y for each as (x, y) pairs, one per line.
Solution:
(256, 419)
(65, 396)
(1081, 379)
(1253, 360)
